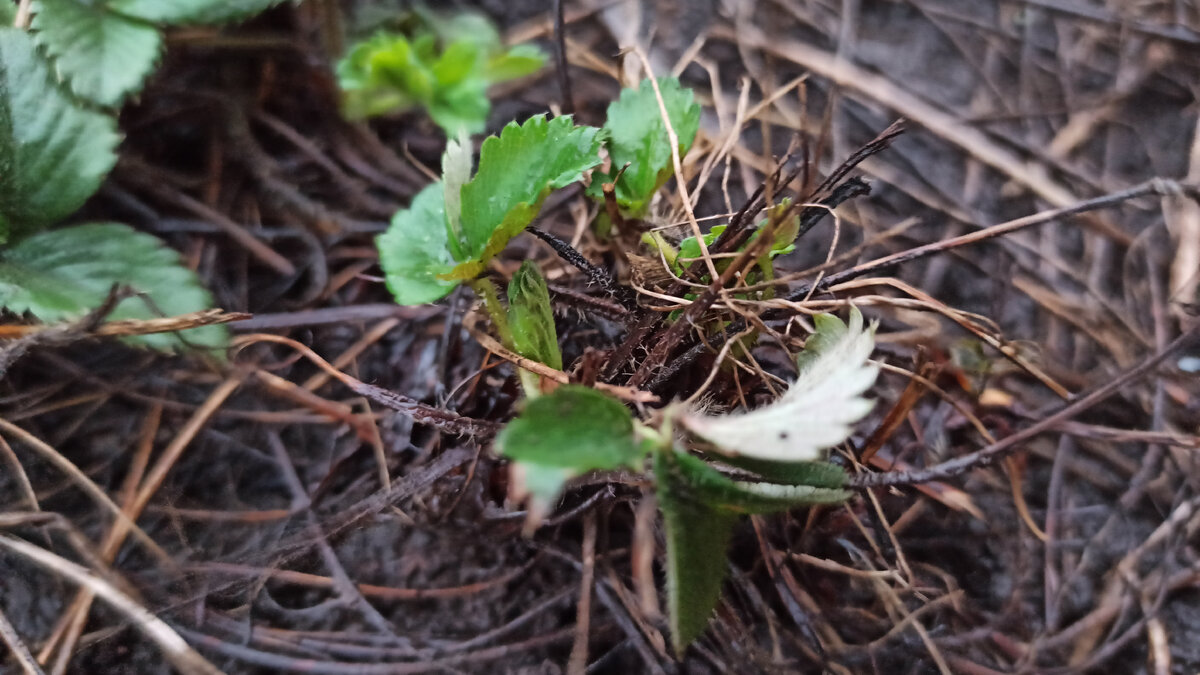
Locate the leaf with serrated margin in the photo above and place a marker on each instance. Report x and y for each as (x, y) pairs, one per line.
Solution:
(530, 317)
(65, 273)
(517, 170)
(414, 251)
(103, 56)
(53, 153)
(638, 137)
(816, 412)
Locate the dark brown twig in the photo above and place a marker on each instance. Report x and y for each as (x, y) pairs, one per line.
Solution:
(809, 218)
(1001, 448)
(422, 413)
(598, 275)
(1157, 186)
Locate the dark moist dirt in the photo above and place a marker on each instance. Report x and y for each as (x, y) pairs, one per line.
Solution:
(244, 120)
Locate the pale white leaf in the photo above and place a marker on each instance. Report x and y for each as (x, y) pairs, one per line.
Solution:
(817, 411)
(456, 171)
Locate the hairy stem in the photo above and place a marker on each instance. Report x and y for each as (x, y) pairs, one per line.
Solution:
(487, 290)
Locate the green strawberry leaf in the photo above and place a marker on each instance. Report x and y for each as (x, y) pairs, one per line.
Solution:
(103, 56)
(445, 67)
(414, 251)
(784, 243)
(786, 233)
(815, 474)
(689, 250)
(704, 483)
(191, 11)
(390, 73)
(518, 61)
(8, 13)
(700, 507)
(380, 75)
(817, 411)
(517, 170)
(463, 26)
(462, 107)
(530, 318)
(53, 153)
(566, 433)
(638, 137)
(62, 274)
(698, 538)
(458, 62)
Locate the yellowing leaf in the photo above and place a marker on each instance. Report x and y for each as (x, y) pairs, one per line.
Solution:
(517, 171)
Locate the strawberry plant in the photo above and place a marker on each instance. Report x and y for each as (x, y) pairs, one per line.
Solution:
(774, 456)
(457, 225)
(57, 144)
(445, 67)
(639, 145)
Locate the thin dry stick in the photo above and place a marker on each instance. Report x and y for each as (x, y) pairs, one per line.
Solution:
(171, 454)
(334, 410)
(889, 595)
(16, 647)
(174, 648)
(641, 555)
(964, 320)
(443, 420)
(72, 621)
(987, 455)
(1156, 186)
(86, 484)
(1033, 176)
(128, 327)
(21, 20)
(158, 473)
(577, 664)
(388, 593)
(671, 337)
(492, 345)
(373, 335)
(560, 59)
(265, 254)
(680, 181)
(19, 475)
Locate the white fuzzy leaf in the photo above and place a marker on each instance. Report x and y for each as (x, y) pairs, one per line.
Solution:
(456, 171)
(817, 411)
